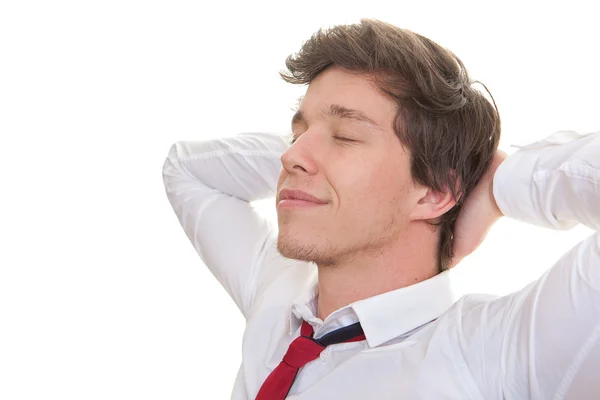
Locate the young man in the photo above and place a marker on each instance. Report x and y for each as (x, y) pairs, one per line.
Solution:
(393, 176)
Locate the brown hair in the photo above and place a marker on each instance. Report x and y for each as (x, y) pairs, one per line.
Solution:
(445, 123)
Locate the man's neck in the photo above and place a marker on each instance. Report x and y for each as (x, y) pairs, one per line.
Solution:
(371, 275)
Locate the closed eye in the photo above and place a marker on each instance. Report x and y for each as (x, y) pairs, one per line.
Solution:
(343, 139)
(293, 139)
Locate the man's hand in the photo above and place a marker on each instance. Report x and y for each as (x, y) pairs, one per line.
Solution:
(479, 212)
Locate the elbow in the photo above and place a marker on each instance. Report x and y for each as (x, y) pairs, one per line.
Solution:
(169, 167)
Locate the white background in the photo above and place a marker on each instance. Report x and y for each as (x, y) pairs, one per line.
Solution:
(101, 294)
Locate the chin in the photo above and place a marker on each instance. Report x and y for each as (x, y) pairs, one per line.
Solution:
(297, 249)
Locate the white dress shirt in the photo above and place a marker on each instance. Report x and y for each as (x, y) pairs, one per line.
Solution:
(542, 342)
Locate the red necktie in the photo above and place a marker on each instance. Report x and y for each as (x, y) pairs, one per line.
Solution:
(301, 351)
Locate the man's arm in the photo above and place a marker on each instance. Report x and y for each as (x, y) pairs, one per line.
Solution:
(210, 185)
(543, 342)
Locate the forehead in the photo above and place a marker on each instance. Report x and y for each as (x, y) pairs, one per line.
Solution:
(351, 90)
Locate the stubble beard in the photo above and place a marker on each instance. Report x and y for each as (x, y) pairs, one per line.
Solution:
(324, 252)
(321, 252)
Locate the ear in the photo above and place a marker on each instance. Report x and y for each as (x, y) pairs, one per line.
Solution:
(432, 203)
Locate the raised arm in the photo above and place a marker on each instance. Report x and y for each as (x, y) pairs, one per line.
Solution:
(543, 342)
(210, 185)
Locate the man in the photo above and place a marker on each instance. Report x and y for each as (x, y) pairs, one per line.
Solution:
(392, 177)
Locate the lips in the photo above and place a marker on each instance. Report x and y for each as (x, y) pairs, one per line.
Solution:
(293, 194)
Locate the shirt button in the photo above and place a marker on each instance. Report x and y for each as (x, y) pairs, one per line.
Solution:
(325, 355)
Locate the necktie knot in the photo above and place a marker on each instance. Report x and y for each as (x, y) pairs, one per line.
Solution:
(301, 351)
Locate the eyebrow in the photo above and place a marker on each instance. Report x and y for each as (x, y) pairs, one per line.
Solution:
(335, 110)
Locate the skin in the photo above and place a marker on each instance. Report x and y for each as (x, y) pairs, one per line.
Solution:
(478, 214)
(371, 237)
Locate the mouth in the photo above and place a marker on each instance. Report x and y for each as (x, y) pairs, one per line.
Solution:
(291, 199)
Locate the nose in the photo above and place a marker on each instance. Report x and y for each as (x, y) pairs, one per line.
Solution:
(299, 158)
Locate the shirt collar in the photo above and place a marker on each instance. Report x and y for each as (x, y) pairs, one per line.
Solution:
(305, 306)
(389, 315)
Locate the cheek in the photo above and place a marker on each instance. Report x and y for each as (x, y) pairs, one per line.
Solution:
(370, 189)
(387, 189)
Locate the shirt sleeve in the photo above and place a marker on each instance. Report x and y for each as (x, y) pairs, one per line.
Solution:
(210, 185)
(543, 342)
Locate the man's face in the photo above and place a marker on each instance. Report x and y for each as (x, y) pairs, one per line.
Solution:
(347, 155)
